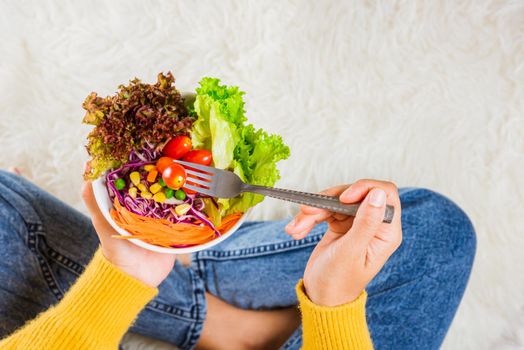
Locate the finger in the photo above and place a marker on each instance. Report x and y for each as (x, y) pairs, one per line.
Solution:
(89, 198)
(302, 224)
(368, 219)
(308, 210)
(309, 216)
(358, 191)
(102, 227)
(333, 191)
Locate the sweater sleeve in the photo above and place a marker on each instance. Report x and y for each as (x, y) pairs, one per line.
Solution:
(335, 328)
(94, 314)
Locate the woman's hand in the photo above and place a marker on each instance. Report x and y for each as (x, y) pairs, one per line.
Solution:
(149, 267)
(353, 250)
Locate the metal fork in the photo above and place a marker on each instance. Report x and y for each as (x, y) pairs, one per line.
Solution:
(225, 184)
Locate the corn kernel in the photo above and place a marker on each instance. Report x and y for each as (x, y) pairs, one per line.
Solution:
(132, 192)
(135, 177)
(159, 197)
(182, 209)
(151, 176)
(154, 188)
(146, 195)
(142, 187)
(149, 167)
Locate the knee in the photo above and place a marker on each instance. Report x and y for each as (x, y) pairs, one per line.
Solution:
(12, 185)
(6, 187)
(16, 199)
(444, 221)
(5, 176)
(9, 182)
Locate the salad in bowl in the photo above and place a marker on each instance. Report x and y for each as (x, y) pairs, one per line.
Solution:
(138, 135)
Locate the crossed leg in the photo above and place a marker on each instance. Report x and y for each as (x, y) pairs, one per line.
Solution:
(45, 246)
(211, 305)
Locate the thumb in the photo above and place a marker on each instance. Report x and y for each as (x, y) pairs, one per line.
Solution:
(89, 198)
(102, 227)
(368, 219)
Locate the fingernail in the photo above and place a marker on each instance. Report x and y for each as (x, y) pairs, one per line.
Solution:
(298, 236)
(377, 198)
(297, 224)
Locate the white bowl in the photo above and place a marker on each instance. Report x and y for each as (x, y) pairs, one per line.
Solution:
(105, 205)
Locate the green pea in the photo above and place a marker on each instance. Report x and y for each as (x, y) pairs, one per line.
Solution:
(180, 195)
(162, 183)
(169, 192)
(120, 184)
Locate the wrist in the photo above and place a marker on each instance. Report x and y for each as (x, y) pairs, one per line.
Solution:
(130, 269)
(323, 295)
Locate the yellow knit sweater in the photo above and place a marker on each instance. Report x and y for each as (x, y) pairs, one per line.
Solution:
(101, 306)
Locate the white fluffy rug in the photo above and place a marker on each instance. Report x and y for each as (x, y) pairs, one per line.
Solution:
(423, 93)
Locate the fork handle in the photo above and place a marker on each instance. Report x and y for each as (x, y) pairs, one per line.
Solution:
(330, 203)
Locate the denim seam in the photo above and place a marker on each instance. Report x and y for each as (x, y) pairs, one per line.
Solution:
(262, 250)
(64, 261)
(197, 311)
(198, 265)
(169, 310)
(37, 228)
(34, 233)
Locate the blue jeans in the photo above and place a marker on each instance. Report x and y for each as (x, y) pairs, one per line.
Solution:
(46, 244)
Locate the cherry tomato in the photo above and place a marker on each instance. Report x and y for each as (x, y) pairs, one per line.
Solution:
(176, 148)
(199, 156)
(174, 176)
(163, 163)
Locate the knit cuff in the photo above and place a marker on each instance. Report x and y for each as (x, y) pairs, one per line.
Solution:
(335, 328)
(105, 300)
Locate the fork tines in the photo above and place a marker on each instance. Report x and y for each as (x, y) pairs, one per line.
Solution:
(206, 169)
(201, 178)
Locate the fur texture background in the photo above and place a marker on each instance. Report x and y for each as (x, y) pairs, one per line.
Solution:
(424, 94)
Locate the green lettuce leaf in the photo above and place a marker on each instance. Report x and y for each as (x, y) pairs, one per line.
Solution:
(212, 212)
(236, 146)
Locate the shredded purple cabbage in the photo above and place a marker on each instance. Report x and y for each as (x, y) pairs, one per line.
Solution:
(148, 154)
(148, 207)
(204, 219)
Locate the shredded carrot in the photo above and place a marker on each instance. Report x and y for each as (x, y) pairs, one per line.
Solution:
(163, 232)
